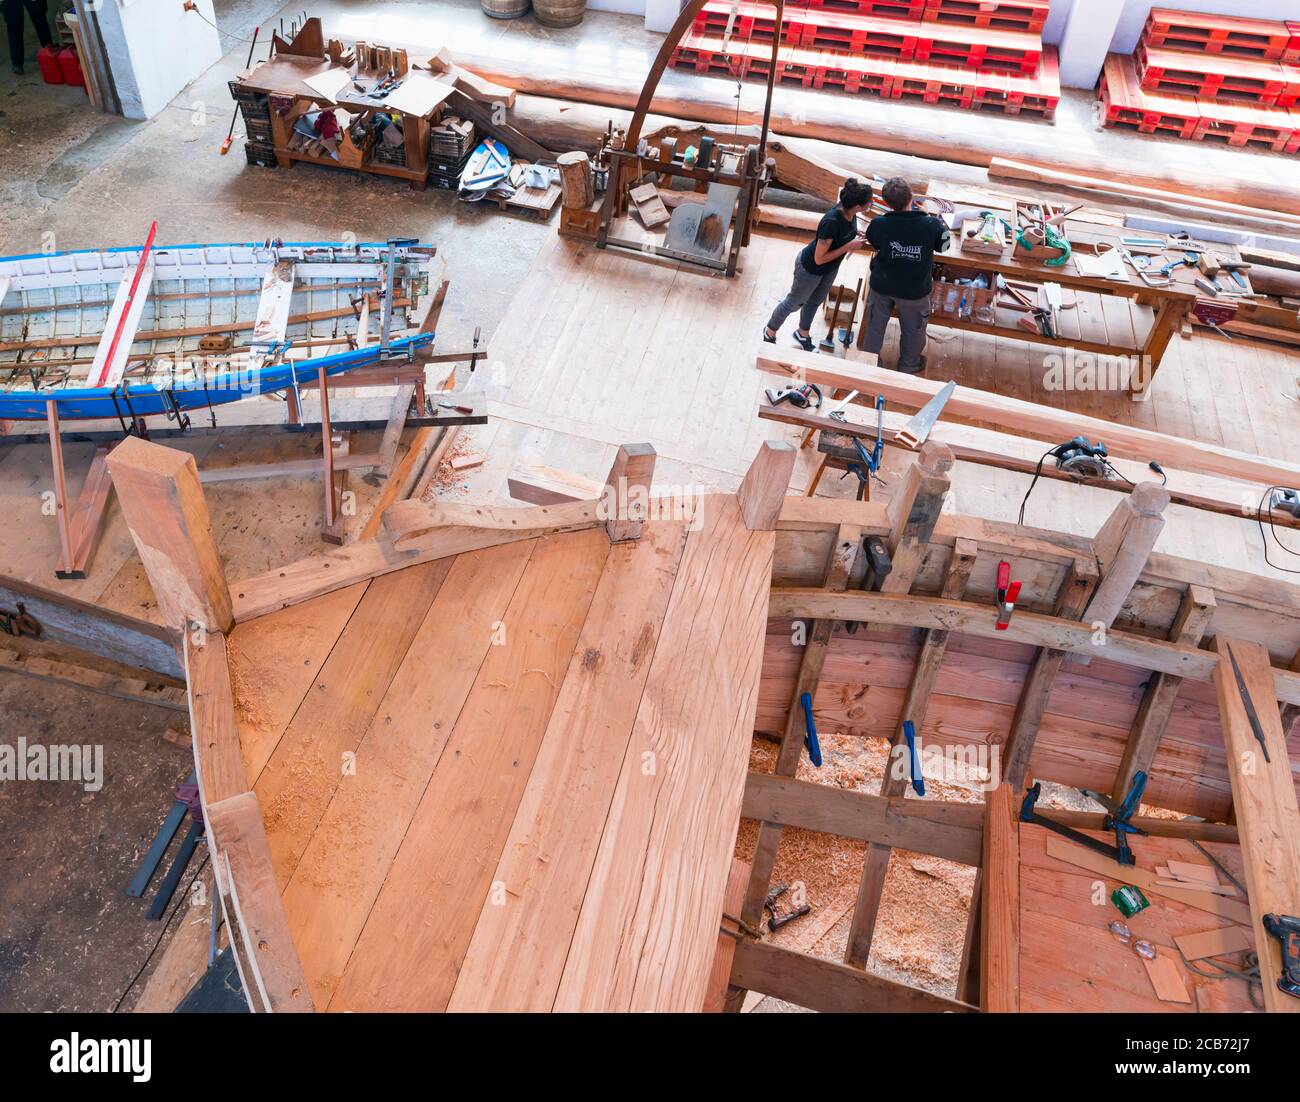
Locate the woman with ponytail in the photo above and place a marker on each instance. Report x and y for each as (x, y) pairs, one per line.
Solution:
(819, 261)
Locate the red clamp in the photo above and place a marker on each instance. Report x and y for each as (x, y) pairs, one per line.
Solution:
(1008, 592)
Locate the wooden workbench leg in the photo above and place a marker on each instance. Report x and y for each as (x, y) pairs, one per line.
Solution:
(1168, 319)
(327, 448)
(817, 477)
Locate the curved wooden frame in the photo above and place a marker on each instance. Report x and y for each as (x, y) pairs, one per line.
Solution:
(670, 43)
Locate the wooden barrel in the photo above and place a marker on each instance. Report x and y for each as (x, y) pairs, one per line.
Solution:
(505, 9)
(575, 179)
(559, 13)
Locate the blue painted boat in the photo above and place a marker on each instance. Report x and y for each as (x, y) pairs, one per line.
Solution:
(156, 331)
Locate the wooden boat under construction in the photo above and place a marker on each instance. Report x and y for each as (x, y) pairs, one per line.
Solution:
(129, 333)
(498, 758)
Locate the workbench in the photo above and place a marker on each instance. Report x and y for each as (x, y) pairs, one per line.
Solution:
(283, 78)
(1109, 318)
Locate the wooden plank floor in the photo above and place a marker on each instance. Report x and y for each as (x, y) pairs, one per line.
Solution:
(603, 347)
(1070, 961)
(512, 779)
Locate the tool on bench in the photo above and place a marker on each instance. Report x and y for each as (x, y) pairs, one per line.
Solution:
(1118, 816)
(810, 731)
(1255, 726)
(777, 918)
(1082, 458)
(1186, 260)
(917, 430)
(1214, 315)
(1283, 501)
(1008, 593)
(914, 759)
(837, 414)
(1286, 928)
(800, 395)
(1142, 265)
(879, 566)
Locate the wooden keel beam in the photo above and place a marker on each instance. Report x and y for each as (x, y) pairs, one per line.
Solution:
(839, 568)
(1000, 904)
(763, 490)
(1194, 616)
(1264, 798)
(627, 491)
(162, 501)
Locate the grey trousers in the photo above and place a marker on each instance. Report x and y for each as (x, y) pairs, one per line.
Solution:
(913, 316)
(807, 293)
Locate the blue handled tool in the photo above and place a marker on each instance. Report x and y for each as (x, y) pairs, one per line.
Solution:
(918, 781)
(810, 731)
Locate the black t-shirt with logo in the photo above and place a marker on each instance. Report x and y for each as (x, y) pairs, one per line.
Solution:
(905, 242)
(836, 229)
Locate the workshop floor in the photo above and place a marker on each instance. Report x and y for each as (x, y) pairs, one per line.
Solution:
(73, 178)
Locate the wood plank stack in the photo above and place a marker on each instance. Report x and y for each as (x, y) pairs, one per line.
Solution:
(973, 55)
(1203, 76)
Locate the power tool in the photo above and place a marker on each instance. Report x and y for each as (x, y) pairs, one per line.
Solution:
(1286, 928)
(1082, 458)
(802, 396)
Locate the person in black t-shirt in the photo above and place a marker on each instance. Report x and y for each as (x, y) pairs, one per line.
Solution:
(902, 274)
(818, 261)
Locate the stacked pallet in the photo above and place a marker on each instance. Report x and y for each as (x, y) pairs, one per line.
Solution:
(450, 143)
(1200, 76)
(973, 55)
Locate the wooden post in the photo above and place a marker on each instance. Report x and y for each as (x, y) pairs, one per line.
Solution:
(575, 179)
(327, 447)
(162, 501)
(627, 491)
(1122, 547)
(763, 490)
(1291, 712)
(1264, 798)
(60, 488)
(1000, 904)
(1162, 690)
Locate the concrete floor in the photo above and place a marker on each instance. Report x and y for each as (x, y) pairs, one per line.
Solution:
(75, 178)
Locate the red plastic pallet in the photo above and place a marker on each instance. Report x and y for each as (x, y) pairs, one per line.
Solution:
(1124, 103)
(1212, 76)
(1293, 46)
(972, 47)
(1201, 32)
(1008, 15)
(1009, 92)
(889, 9)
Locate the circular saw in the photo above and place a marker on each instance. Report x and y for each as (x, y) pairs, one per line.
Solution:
(1082, 458)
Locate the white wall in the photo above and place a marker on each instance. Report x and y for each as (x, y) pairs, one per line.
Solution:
(155, 48)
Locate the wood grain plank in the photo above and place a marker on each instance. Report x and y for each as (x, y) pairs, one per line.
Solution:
(415, 938)
(517, 955)
(648, 925)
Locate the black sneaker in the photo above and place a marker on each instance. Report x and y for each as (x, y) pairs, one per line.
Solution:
(806, 343)
(767, 339)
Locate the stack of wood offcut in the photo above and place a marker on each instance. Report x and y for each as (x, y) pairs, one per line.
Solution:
(1204, 76)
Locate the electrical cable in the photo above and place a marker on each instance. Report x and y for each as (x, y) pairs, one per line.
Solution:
(1259, 519)
(1038, 470)
(182, 899)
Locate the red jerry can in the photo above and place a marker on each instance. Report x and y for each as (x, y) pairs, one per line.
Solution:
(71, 67)
(47, 57)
